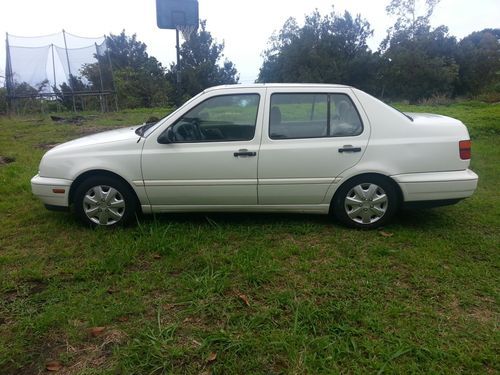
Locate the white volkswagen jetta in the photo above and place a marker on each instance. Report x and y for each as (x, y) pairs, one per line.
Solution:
(265, 148)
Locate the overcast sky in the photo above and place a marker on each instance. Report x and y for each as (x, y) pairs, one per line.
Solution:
(244, 25)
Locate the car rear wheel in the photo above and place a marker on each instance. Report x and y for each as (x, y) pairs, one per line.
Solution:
(365, 202)
(105, 201)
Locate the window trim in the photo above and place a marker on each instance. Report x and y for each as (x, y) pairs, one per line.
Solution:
(216, 140)
(328, 123)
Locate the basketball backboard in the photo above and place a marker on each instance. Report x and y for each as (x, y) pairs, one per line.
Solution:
(172, 14)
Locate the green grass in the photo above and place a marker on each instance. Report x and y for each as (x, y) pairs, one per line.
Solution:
(171, 291)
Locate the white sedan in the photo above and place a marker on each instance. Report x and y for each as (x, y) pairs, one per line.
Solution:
(265, 148)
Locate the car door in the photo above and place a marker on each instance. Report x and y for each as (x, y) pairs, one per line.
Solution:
(309, 138)
(211, 159)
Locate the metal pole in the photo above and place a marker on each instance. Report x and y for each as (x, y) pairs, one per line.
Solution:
(69, 71)
(54, 69)
(9, 75)
(112, 74)
(100, 77)
(178, 70)
(54, 88)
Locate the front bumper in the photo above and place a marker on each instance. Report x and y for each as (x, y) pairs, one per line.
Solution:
(437, 185)
(51, 191)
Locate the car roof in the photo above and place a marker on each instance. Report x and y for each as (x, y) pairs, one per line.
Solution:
(277, 85)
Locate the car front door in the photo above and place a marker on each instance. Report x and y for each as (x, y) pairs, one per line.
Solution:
(208, 155)
(309, 139)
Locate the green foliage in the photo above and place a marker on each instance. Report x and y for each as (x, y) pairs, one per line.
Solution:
(3, 100)
(139, 78)
(418, 61)
(28, 100)
(65, 93)
(415, 61)
(202, 65)
(329, 49)
(420, 64)
(478, 55)
(409, 21)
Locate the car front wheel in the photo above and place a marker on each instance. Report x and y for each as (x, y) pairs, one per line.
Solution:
(365, 202)
(105, 201)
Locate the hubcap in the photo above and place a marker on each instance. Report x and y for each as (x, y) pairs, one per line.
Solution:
(366, 203)
(103, 205)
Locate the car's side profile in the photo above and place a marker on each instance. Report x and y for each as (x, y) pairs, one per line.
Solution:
(265, 148)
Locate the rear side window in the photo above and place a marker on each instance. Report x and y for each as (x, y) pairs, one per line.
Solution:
(312, 115)
(344, 117)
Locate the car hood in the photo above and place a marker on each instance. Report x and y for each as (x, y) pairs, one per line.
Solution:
(121, 134)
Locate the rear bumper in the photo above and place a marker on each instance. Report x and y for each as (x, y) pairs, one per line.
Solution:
(44, 187)
(436, 186)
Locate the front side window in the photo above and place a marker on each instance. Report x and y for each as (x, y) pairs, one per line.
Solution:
(219, 119)
(313, 116)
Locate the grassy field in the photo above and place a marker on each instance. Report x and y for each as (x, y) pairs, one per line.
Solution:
(231, 293)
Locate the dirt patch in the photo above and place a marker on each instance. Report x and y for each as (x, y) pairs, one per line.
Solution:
(24, 290)
(92, 356)
(4, 160)
(47, 146)
(56, 352)
(77, 120)
(483, 315)
(36, 287)
(97, 129)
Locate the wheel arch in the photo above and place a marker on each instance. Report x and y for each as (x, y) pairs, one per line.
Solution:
(93, 173)
(370, 174)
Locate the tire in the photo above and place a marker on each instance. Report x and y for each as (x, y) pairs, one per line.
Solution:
(365, 202)
(105, 201)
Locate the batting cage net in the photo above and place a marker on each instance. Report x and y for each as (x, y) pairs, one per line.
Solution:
(61, 66)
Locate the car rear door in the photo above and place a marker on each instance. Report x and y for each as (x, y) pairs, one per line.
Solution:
(309, 137)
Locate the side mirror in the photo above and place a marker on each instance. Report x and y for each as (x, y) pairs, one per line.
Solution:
(168, 136)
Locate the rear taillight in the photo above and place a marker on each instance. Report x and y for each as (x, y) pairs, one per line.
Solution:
(465, 149)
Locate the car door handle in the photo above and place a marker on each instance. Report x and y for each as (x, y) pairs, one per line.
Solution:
(244, 152)
(349, 148)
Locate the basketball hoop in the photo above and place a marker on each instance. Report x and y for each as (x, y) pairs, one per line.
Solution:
(186, 31)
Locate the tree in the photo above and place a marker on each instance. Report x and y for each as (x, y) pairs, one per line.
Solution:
(409, 21)
(418, 61)
(3, 100)
(202, 65)
(329, 49)
(139, 78)
(478, 55)
(65, 92)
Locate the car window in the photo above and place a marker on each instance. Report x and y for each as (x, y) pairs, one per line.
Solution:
(344, 117)
(312, 116)
(219, 119)
(298, 116)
